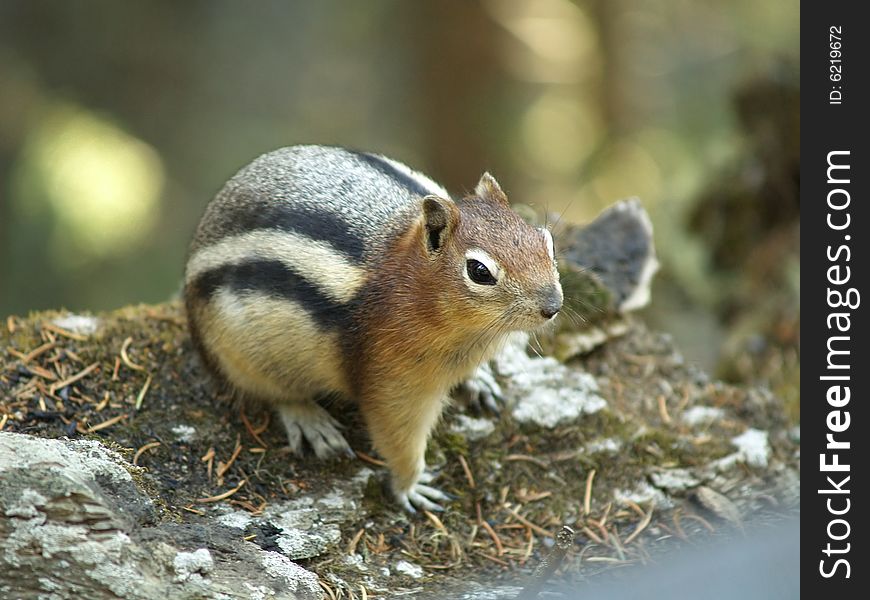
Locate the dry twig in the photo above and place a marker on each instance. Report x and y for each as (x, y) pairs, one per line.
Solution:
(255, 433)
(663, 409)
(224, 467)
(103, 403)
(225, 495)
(467, 470)
(71, 380)
(106, 423)
(370, 459)
(38, 351)
(351, 547)
(587, 496)
(141, 396)
(130, 364)
(641, 526)
(526, 458)
(142, 450)
(536, 528)
(65, 333)
(209, 458)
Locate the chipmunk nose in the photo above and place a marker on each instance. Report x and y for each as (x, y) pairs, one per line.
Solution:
(551, 301)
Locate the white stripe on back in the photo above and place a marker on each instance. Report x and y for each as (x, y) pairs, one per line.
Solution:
(316, 261)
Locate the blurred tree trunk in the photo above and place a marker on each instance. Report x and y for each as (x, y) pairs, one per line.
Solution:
(16, 102)
(6, 158)
(459, 67)
(605, 14)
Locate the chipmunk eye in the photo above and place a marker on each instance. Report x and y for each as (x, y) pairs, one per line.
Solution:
(478, 273)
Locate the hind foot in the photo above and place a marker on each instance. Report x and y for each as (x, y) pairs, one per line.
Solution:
(310, 421)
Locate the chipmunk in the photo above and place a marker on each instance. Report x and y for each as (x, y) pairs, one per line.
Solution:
(324, 271)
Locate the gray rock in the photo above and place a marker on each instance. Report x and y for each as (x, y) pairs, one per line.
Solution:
(618, 247)
(192, 564)
(674, 480)
(753, 447)
(702, 415)
(410, 569)
(543, 391)
(472, 428)
(643, 493)
(81, 324)
(184, 433)
(74, 524)
(605, 446)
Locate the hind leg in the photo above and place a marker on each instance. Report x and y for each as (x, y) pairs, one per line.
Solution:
(310, 421)
(247, 336)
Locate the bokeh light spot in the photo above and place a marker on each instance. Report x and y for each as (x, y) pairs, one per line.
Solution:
(99, 185)
(558, 133)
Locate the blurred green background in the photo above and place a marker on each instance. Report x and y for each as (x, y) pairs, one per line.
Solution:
(120, 120)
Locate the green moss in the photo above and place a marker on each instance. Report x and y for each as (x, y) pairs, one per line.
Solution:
(585, 294)
(446, 442)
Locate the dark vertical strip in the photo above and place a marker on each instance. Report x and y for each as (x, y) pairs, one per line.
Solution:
(835, 54)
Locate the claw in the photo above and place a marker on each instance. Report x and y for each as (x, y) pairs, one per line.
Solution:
(423, 497)
(294, 438)
(405, 502)
(317, 426)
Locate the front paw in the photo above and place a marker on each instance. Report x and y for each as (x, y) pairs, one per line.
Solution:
(481, 391)
(421, 496)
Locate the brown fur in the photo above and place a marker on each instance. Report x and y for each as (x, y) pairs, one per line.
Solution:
(418, 328)
(422, 332)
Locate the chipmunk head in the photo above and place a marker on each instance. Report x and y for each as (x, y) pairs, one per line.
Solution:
(502, 270)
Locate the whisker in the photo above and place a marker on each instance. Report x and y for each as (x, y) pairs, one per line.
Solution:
(496, 327)
(539, 350)
(573, 316)
(503, 326)
(561, 214)
(593, 307)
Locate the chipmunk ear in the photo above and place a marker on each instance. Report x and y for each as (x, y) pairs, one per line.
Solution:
(440, 216)
(489, 188)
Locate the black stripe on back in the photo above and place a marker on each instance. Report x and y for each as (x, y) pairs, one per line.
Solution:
(308, 221)
(275, 279)
(403, 179)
